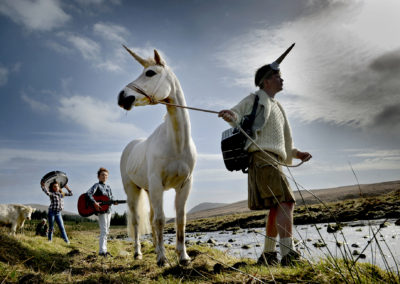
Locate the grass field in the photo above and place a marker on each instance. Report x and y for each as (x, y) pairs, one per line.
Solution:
(32, 259)
(27, 258)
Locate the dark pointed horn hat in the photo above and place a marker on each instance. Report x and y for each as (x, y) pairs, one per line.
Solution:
(269, 69)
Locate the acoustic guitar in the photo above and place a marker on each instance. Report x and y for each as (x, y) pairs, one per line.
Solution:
(86, 207)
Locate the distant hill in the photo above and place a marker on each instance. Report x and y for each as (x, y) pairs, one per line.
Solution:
(46, 208)
(326, 195)
(206, 206)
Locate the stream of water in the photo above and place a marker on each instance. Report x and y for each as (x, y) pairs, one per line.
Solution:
(384, 250)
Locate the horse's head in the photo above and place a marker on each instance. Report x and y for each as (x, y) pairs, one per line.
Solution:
(154, 84)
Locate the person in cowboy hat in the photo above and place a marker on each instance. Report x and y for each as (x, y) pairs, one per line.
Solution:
(268, 187)
(56, 196)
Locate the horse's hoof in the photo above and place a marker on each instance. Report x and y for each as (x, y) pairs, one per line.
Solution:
(161, 262)
(137, 256)
(184, 262)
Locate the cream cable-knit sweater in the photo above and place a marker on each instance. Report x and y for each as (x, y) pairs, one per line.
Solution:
(272, 129)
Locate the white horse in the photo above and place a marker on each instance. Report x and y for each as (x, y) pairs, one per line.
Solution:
(163, 161)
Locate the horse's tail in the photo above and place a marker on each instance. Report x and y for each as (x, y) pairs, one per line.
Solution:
(142, 217)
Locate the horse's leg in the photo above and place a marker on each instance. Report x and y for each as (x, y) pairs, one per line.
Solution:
(156, 192)
(153, 229)
(180, 202)
(133, 192)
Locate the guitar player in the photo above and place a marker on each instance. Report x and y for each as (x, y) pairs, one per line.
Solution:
(101, 188)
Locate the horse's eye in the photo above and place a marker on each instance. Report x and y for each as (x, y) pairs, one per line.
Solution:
(150, 73)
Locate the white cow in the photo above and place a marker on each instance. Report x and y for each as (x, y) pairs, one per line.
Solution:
(15, 214)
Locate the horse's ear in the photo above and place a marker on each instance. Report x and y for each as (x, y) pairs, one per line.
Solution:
(158, 59)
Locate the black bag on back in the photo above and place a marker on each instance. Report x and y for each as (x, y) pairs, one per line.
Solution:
(233, 142)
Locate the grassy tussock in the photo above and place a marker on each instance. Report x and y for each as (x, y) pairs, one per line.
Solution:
(32, 259)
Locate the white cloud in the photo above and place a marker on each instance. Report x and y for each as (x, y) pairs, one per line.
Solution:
(111, 32)
(40, 15)
(16, 67)
(109, 66)
(376, 164)
(58, 47)
(90, 2)
(89, 49)
(40, 156)
(333, 74)
(209, 157)
(360, 159)
(376, 159)
(34, 104)
(3, 76)
(216, 175)
(5, 72)
(386, 154)
(110, 59)
(99, 118)
(97, 2)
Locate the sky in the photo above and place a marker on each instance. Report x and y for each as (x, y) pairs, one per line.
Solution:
(62, 66)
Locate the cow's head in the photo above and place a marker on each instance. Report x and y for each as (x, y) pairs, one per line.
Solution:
(27, 212)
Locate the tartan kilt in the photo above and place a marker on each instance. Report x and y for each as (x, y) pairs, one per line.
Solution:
(267, 186)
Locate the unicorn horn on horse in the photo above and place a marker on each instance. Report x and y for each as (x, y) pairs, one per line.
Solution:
(163, 161)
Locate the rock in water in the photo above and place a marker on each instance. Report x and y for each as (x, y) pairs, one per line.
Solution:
(333, 228)
(385, 224)
(212, 241)
(319, 244)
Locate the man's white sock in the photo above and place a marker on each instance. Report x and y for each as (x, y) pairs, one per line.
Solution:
(286, 245)
(269, 244)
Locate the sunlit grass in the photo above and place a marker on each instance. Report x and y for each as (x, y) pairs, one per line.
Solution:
(27, 256)
(56, 262)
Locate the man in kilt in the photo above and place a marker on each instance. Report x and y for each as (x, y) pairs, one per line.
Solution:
(268, 187)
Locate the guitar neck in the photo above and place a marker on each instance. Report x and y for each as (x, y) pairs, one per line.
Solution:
(112, 202)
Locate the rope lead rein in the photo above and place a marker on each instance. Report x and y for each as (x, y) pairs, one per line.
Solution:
(241, 130)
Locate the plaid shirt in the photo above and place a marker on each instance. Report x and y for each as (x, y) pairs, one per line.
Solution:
(57, 204)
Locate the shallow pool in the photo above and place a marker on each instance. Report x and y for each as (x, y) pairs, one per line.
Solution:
(354, 236)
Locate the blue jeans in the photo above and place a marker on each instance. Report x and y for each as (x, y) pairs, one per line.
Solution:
(57, 216)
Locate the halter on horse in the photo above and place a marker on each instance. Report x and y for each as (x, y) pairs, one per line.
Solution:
(163, 161)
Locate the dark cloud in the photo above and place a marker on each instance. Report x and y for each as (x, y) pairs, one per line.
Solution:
(389, 116)
(387, 62)
(316, 7)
